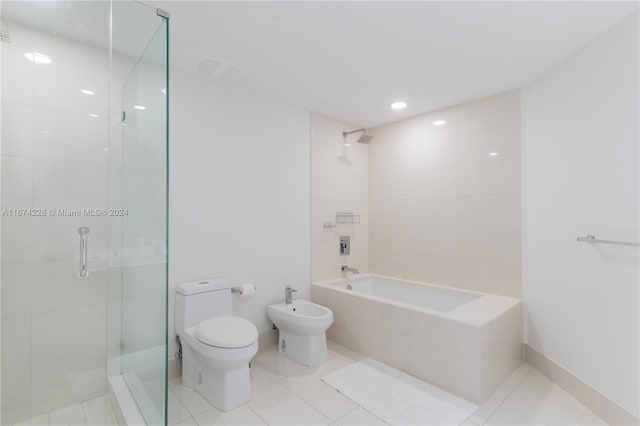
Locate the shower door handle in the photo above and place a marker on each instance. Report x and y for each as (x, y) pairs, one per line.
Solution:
(84, 237)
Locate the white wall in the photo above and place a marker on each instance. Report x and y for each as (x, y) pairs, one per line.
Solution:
(339, 183)
(441, 209)
(581, 177)
(239, 194)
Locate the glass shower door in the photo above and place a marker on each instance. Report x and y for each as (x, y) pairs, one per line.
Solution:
(53, 173)
(83, 203)
(143, 245)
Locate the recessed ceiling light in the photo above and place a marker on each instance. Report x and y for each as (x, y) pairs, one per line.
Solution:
(38, 58)
(45, 132)
(140, 107)
(164, 91)
(439, 122)
(87, 92)
(493, 154)
(94, 115)
(398, 105)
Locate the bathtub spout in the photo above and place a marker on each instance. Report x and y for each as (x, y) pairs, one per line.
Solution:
(346, 269)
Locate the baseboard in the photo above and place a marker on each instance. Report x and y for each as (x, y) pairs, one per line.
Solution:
(600, 404)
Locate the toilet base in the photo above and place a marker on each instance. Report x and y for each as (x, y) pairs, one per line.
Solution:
(307, 350)
(224, 389)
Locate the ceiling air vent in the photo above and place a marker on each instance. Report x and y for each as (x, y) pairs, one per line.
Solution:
(218, 69)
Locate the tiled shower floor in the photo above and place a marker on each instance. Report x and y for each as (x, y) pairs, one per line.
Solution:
(94, 412)
(286, 392)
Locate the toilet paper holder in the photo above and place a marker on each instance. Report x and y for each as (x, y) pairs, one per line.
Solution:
(240, 289)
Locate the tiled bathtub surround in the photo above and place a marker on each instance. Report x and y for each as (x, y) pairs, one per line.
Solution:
(444, 200)
(468, 351)
(339, 182)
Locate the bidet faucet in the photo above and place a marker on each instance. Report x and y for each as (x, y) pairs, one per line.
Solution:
(346, 269)
(288, 291)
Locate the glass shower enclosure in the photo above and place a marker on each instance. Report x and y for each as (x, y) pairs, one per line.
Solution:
(83, 201)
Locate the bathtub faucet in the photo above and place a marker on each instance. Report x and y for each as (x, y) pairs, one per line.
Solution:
(346, 269)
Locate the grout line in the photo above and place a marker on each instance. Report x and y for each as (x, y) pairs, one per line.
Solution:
(372, 414)
(576, 409)
(517, 384)
(490, 414)
(84, 415)
(304, 401)
(500, 404)
(256, 413)
(349, 412)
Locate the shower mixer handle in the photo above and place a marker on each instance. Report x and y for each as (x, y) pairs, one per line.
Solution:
(84, 239)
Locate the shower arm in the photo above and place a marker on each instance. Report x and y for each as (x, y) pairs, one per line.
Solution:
(345, 134)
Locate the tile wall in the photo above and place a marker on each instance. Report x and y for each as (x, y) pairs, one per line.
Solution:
(339, 183)
(54, 155)
(467, 354)
(444, 200)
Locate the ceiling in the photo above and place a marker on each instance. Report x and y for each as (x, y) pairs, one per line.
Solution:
(350, 60)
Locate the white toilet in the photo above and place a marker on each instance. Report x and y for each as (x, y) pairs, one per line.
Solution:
(216, 346)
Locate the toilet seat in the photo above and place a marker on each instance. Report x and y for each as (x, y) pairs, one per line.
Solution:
(227, 331)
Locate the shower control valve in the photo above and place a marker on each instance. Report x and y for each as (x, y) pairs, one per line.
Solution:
(345, 245)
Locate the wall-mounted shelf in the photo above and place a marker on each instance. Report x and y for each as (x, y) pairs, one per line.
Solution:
(342, 218)
(347, 218)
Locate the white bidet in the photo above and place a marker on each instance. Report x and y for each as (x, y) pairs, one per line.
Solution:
(302, 325)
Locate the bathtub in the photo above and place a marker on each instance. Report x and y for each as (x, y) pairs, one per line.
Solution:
(463, 341)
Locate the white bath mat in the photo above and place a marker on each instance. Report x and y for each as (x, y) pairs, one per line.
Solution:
(396, 397)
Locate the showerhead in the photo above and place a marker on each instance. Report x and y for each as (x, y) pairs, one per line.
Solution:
(364, 138)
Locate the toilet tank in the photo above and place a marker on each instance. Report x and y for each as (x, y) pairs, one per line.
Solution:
(200, 300)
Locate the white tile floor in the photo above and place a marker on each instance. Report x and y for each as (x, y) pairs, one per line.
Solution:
(288, 393)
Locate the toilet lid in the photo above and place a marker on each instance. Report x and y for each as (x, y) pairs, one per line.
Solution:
(227, 332)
